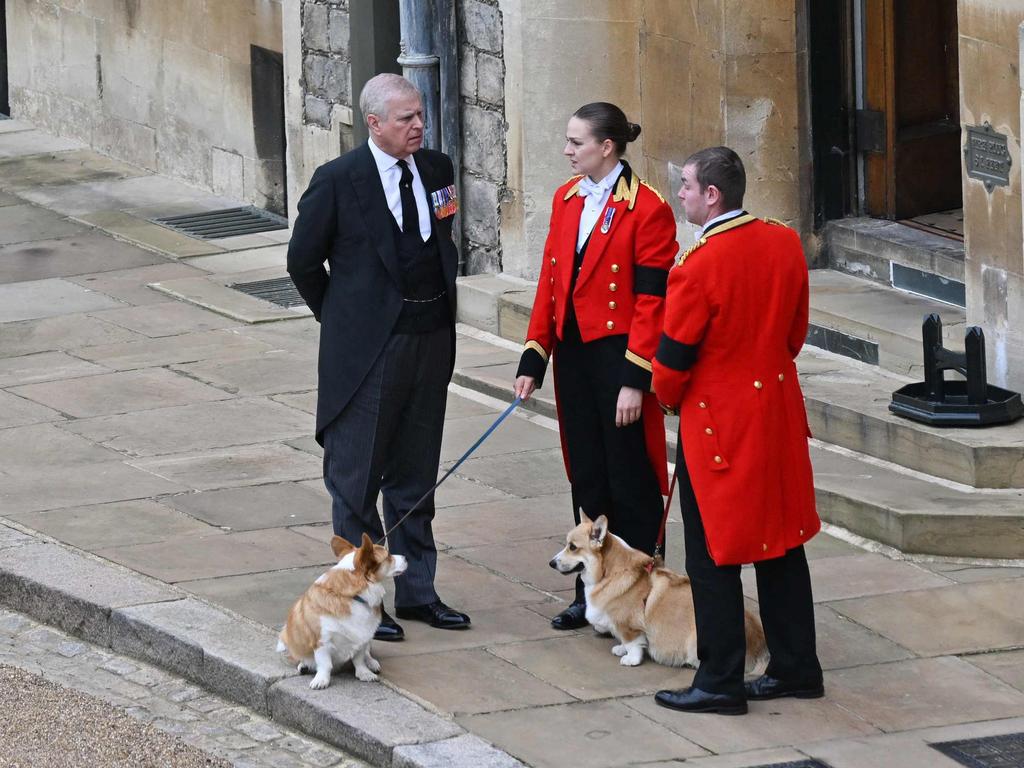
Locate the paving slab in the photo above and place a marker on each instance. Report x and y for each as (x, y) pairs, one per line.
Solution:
(170, 350)
(47, 298)
(11, 537)
(604, 734)
(475, 681)
(11, 125)
(458, 491)
(120, 392)
(148, 235)
(131, 286)
(31, 449)
(22, 223)
(843, 643)
(71, 591)
(245, 242)
(51, 334)
(80, 254)
(1008, 666)
(503, 521)
(226, 468)
(513, 436)
(961, 618)
(32, 142)
(125, 192)
(169, 318)
(302, 401)
(222, 554)
(241, 261)
(755, 757)
(527, 563)
(272, 373)
(365, 718)
(921, 693)
(183, 428)
(969, 574)
(6, 198)
(767, 724)
(460, 750)
(34, 175)
(118, 524)
(525, 474)
(222, 652)
(214, 292)
(583, 665)
(275, 505)
(18, 412)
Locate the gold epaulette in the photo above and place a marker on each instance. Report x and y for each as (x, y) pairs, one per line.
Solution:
(656, 192)
(624, 191)
(779, 222)
(691, 249)
(575, 187)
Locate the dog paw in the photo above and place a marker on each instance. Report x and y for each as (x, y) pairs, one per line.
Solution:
(373, 664)
(366, 675)
(303, 669)
(320, 682)
(631, 660)
(619, 650)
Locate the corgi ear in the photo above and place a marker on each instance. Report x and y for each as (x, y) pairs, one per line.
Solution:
(584, 518)
(599, 531)
(364, 555)
(340, 546)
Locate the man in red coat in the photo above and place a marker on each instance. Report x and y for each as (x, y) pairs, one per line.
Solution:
(735, 318)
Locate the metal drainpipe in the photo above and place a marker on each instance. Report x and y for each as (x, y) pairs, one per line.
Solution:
(429, 28)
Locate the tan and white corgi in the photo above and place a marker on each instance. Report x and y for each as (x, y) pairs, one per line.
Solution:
(644, 607)
(335, 619)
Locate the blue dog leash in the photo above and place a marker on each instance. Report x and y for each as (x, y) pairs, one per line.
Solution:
(512, 406)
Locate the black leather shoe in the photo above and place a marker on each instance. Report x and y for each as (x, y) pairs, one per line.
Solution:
(436, 614)
(389, 630)
(573, 617)
(696, 700)
(766, 687)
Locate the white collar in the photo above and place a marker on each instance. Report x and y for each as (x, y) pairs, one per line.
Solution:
(724, 217)
(607, 181)
(386, 162)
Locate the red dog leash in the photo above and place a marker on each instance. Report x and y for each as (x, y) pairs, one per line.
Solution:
(659, 546)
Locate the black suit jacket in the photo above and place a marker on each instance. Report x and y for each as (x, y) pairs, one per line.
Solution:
(344, 221)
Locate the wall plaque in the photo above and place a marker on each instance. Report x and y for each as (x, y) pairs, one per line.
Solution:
(988, 156)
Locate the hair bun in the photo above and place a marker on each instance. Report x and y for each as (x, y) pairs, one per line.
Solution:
(634, 131)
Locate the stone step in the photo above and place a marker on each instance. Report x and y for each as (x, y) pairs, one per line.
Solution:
(897, 255)
(915, 513)
(848, 405)
(875, 324)
(498, 304)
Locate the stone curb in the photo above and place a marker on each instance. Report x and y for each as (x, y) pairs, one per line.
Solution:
(228, 654)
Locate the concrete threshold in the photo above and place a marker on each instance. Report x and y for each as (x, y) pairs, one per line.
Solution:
(228, 654)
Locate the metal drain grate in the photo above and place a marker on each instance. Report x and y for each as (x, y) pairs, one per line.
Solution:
(1005, 751)
(279, 290)
(229, 222)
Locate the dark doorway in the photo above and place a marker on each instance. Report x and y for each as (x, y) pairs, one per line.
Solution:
(5, 104)
(267, 73)
(375, 43)
(831, 36)
(910, 127)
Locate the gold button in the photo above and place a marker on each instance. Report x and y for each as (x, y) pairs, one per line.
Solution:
(801, 531)
(610, 325)
(552, 262)
(702, 404)
(552, 318)
(709, 431)
(718, 459)
(552, 281)
(552, 298)
(758, 385)
(612, 287)
(612, 305)
(764, 547)
(615, 267)
(782, 376)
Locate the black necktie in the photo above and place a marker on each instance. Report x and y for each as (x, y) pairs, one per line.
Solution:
(410, 216)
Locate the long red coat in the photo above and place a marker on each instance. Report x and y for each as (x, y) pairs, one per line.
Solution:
(735, 318)
(620, 290)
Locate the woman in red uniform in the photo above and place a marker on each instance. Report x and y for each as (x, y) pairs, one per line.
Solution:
(598, 312)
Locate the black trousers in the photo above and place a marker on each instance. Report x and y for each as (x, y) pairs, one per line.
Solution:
(611, 472)
(784, 598)
(387, 440)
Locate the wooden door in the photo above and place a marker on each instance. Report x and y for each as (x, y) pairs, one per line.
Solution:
(910, 127)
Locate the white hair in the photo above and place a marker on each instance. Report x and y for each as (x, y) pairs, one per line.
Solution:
(379, 90)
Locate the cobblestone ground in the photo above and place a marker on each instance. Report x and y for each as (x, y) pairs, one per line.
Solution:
(106, 710)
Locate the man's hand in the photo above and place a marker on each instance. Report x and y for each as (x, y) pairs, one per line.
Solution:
(628, 409)
(524, 387)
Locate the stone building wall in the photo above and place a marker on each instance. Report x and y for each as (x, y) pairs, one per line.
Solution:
(164, 85)
(326, 64)
(482, 104)
(991, 85)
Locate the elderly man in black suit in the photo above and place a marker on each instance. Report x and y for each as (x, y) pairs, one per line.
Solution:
(381, 217)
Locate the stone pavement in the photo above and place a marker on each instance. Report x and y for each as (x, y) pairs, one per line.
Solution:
(141, 429)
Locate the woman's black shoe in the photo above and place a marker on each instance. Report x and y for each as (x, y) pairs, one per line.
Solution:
(573, 617)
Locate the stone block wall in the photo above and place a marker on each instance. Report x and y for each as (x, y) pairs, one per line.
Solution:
(482, 104)
(326, 64)
(164, 85)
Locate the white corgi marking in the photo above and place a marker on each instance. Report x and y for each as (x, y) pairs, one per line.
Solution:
(322, 678)
(634, 652)
(281, 647)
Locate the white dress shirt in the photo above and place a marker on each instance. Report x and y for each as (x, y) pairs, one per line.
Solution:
(595, 203)
(390, 174)
(724, 217)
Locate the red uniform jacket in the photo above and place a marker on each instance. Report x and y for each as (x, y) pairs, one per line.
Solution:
(735, 319)
(620, 289)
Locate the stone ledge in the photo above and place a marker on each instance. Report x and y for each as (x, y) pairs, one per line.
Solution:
(460, 750)
(498, 304)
